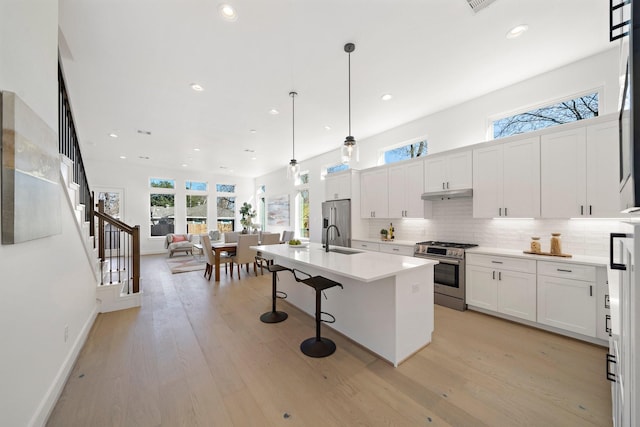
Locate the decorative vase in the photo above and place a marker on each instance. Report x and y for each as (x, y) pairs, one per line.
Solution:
(244, 230)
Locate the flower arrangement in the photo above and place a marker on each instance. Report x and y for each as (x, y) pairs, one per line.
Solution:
(247, 215)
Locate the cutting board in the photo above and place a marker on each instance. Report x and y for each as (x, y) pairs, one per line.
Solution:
(548, 254)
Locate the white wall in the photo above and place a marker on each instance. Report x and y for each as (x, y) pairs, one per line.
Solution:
(463, 125)
(46, 284)
(134, 181)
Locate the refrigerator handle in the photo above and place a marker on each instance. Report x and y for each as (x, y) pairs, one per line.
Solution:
(325, 222)
(612, 237)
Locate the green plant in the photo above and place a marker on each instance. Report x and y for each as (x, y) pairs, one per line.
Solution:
(384, 231)
(247, 215)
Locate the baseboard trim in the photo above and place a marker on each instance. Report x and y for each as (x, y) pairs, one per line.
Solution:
(55, 390)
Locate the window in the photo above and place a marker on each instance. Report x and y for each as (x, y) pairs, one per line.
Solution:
(572, 110)
(303, 179)
(111, 203)
(196, 186)
(226, 213)
(162, 204)
(196, 214)
(337, 168)
(302, 213)
(409, 151)
(225, 188)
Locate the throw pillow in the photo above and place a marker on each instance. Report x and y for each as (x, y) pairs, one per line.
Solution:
(178, 238)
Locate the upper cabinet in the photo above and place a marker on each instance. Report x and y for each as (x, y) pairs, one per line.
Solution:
(374, 190)
(405, 188)
(579, 172)
(506, 180)
(338, 185)
(448, 172)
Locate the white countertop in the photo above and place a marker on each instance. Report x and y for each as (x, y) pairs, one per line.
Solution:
(575, 259)
(365, 266)
(387, 242)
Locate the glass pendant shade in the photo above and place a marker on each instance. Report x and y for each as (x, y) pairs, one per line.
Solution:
(349, 151)
(293, 170)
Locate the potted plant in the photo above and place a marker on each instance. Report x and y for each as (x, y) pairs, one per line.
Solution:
(247, 216)
(383, 234)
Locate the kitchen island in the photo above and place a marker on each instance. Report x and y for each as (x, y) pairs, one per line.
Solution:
(386, 304)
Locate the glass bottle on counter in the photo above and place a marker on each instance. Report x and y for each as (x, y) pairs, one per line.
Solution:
(535, 245)
(391, 230)
(556, 244)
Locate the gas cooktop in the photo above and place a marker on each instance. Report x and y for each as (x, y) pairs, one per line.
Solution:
(447, 244)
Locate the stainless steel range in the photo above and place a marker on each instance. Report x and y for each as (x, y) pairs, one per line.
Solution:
(448, 275)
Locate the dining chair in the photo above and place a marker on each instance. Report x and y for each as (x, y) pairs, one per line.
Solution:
(244, 254)
(211, 258)
(287, 235)
(231, 236)
(263, 260)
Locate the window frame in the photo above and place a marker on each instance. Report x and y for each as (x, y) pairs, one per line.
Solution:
(383, 151)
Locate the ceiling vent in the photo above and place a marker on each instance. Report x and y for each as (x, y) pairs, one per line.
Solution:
(477, 5)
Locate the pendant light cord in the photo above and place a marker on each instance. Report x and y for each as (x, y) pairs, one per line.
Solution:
(293, 124)
(349, 93)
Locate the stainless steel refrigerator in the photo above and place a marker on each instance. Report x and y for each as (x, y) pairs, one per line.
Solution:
(338, 213)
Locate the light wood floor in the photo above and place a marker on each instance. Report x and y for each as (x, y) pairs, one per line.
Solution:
(196, 354)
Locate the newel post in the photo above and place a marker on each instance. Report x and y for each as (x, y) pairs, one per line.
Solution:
(136, 260)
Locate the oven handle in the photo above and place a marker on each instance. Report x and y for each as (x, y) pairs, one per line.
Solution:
(441, 260)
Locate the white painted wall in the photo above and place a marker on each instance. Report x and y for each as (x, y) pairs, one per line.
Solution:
(134, 181)
(463, 125)
(47, 283)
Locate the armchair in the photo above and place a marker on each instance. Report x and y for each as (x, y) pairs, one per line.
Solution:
(178, 243)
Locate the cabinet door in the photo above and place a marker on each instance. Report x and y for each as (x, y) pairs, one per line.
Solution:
(459, 171)
(397, 195)
(517, 294)
(413, 189)
(487, 182)
(563, 174)
(521, 178)
(602, 171)
(567, 304)
(481, 287)
(435, 173)
(374, 194)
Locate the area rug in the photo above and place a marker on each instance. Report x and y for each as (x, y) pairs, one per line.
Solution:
(182, 264)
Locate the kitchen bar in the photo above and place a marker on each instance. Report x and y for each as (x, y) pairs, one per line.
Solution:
(387, 301)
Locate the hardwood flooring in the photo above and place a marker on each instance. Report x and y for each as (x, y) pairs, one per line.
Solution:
(196, 354)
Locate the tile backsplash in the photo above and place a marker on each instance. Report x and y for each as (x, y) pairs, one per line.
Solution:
(453, 221)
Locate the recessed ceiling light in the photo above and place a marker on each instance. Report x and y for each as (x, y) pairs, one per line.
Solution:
(113, 135)
(253, 130)
(274, 111)
(517, 31)
(123, 157)
(386, 97)
(196, 149)
(227, 12)
(196, 87)
(327, 128)
(253, 158)
(184, 165)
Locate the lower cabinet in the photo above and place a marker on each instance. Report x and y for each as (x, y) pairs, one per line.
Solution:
(361, 244)
(508, 288)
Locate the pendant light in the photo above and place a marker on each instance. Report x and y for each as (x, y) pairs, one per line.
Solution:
(349, 150)
(293, 170)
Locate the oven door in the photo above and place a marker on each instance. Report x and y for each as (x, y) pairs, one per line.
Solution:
(447, 278)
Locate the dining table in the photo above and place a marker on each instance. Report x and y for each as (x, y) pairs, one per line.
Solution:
(218, 248)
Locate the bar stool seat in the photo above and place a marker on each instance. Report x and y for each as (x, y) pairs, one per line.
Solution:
(318, 346)
(274, 316)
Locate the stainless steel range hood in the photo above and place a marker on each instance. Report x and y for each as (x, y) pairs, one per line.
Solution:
(447, 194)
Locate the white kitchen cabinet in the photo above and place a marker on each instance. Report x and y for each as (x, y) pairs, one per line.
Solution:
(396, 249)
(405, 191)
(502, 284)
(566, 300)
(448, 171)
(338, 185)
(374, 191)
(506, 180)
(579, 169)
(369, 246)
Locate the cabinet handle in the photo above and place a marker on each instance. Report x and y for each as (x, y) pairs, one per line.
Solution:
(611, 376)
(364, 246)
(607, 328)
(590, 211)
(581, 209)
(505, 212)
(612, 236)
(499, 211)
(494, 275)
(606, 301)
(499, 275)
(443, 185)
(590, 290)
(447, 184)
(563, 270)
(395, 249)
(496, 262)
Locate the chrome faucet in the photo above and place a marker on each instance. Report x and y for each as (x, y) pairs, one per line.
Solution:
(326, 238)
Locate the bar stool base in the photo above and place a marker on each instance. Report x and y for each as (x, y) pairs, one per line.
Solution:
(313, 347)
(273, 316)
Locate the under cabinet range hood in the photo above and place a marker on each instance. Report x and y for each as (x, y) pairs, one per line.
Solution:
(447, 194)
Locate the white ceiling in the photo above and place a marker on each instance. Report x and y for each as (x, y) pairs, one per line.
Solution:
(129, 66)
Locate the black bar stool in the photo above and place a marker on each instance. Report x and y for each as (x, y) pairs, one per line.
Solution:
(318, 346)
(274, 316)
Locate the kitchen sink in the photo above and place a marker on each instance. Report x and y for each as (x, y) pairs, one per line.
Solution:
(344, 252)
